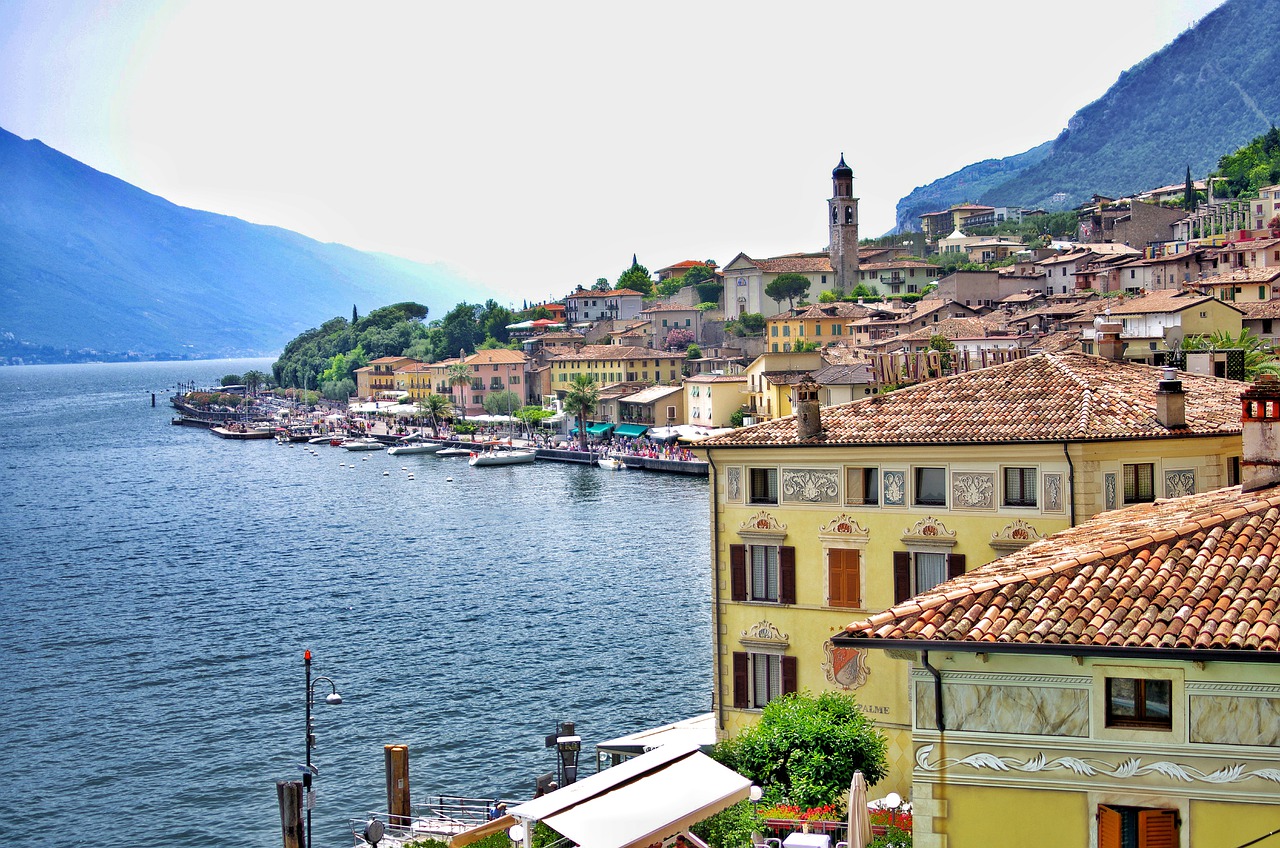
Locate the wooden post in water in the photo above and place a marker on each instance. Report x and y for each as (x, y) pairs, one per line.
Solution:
(397, 762)
(289, 796)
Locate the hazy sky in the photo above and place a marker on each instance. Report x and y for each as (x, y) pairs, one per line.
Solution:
(534, 146)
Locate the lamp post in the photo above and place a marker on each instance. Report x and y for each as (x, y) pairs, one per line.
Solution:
(332, 698)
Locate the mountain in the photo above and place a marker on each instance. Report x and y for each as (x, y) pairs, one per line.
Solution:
(1205, 94)
(92, 267)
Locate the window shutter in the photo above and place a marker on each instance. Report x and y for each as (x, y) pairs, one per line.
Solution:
(1108, 827)
(1157, 829)
(955, 565)
(738, 572)
(901, 576)
(786, 575)
(843, 578)
(741, 679)
(789, 675)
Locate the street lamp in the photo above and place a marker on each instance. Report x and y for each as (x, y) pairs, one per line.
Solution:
(332, 698)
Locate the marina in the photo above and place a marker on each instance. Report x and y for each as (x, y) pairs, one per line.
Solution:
(159, 595)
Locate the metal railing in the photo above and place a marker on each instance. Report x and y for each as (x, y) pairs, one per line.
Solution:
(438, 817)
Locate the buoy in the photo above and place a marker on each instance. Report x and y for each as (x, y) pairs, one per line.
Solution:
(448, 479)
(404, 468)
(386, 474)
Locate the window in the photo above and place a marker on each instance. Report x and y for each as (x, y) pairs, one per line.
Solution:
(919, 571)
(1233, 471)
(759, 678)
(773, 331)
(1136, 827)
(514, 379)
(931, 487)
(1020, 487)
(1139, 483)
(1133, 702)
(764, 573)
(844, 578)
(786, 330)
(477, 385)
(764, 486)
(862, 486)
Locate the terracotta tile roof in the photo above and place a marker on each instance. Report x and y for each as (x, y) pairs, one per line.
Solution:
(1239, 275)
(1155, 303)
(787, 378)
(1023, 297)
(1186, 255)
(1057, 343)
(385, 359)
(610, 293)
(1198, 572)
(900, 263)
(558, 337)
(497, 356)
(844, 375)
(953, 328)
(615, 353)
(839, 309)
(842, 354)
(799, 263)
(1042, 398)
(717, 378)
(1260, 309)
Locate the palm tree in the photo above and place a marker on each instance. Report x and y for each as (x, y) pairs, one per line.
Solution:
(254, 380)
(581, 400)
(435, 407)
(460, 377)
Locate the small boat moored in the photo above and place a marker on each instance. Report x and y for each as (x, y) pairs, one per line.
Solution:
(503, 455)
(363, 444)
(414, 444)
(611, 463)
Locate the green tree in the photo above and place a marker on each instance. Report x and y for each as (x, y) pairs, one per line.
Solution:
(493, 321)
(502, 403)
(636, 278)
(435, 407)
(804, 346)
(940, 342)
(231, 380)
(1189, 199)
(752, 323)
(788, 287)
(693, 352)
(254, 380)
(532, 416)
(827, 297)
(458, 375)
(601, 284)
(338, 389)
(805, 749)
(461, 328)
(581, 400)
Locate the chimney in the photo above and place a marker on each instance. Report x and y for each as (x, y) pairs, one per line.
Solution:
(1107, 335)
(1171, 401)
(808, 412)
(1260, 434)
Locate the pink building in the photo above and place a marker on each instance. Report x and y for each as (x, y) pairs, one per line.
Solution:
(495, 371)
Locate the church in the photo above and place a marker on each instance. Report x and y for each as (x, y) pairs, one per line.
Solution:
(835, 270)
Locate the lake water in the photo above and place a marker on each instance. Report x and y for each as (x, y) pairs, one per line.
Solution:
(159, 585)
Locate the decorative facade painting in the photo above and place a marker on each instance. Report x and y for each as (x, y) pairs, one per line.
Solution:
(733, 484)
(811, 485)
(845, 667)
(973, 491)
(895, 488)
(1179, 484)
(1109, 490)
(1053, 493)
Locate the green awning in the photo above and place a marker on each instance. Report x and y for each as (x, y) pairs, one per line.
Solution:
(631, 431)
(599, 429)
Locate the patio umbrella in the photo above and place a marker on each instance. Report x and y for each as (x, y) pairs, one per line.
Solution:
(859, 819)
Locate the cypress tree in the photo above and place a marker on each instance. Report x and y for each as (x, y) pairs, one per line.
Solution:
(1189, 200)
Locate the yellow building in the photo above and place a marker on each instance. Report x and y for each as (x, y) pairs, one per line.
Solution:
(838, 513)
(1112, 685)
(378, 377)
(608, 364)
(822, 324)
(770, 378)
(711, 399)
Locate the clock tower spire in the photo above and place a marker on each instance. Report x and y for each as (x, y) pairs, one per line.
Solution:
(843, 211)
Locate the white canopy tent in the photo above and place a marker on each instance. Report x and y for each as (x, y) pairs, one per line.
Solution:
(642, 801)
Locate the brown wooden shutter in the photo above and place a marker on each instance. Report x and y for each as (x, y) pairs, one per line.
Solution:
(786, 575)
(843, 578)
(901, 576)
(741, 680)
(955, 565)
(1108, 827)
(1157, 829)
(788, 675)
(738, 572)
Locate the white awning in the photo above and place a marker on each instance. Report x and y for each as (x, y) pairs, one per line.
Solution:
(699, 730)
(641, 801)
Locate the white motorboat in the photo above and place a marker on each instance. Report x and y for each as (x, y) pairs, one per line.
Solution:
(319, 440)
(414, 444)
(500, 455)
(454, 452)
(611, 463)
(364, 444)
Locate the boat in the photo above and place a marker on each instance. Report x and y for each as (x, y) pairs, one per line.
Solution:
(235, 430)
(362, 444)
(414, 444)
(503, 455)
(319, 440)
(454, 452)
(611, 463)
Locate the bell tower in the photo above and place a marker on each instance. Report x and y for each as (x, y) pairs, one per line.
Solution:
(843, 211)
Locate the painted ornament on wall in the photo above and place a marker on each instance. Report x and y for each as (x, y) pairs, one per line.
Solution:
(845, 667)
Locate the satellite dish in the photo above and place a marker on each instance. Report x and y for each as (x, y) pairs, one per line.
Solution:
(1173, 337)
